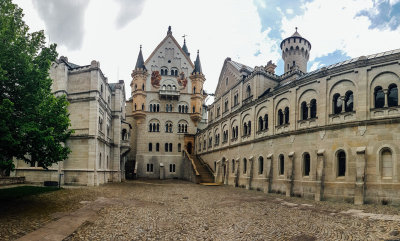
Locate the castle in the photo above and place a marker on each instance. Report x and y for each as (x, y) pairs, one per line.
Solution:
(332, 133)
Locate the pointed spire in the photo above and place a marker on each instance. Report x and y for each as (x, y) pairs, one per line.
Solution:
(140, 61)
(197, 65)
(184, 47)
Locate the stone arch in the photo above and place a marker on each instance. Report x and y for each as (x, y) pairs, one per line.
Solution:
(383, 80)
(380, 160)
(336, 168)
(341, 87)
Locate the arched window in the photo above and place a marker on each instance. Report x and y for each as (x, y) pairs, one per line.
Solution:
(281, 164)
(379, 97)
(179, 108)
(313, 108)
(158, 108)
(158, 127)
(393, 96)
(248, 91)
(386, 163)
(245, 129)
(233, 165)
(280, 117)
(244, 165)
(157, 146)
(304, 111)
(186, 109)
(151, 108)
(170, 147)
(166, 147)
(179, 147)
(260, 123)
(135, 106)
(265, 121)
(260, 165)
(336, 104)
(194, 109)
(194, 90)
(249, 128)
(135, 86)
(142, 86)
(100, 161)
(142, 106)
(150, 127)
(154, 108)
(341, 163)
(306, 164)
(150, 146)
(286, 115)
(237, 131)
(107, 163)
(186, 128)
(349, 101)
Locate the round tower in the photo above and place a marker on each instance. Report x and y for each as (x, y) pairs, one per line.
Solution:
(197, 97)
(138, 85)
(295, 52)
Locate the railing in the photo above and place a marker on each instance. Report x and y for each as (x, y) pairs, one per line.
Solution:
(186, 154)
(170, 92)
(205, 164)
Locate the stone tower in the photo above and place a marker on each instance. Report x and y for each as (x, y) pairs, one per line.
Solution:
(138, 84)
(295, 52)
(197, 97)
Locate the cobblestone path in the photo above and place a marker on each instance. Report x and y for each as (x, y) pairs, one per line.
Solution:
(178, 210)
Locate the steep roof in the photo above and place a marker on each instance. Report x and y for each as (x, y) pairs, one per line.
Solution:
(140, 61)
(197, 65)
(240, 66)
(185, 49)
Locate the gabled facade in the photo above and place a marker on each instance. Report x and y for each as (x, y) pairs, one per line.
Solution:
(165, 109)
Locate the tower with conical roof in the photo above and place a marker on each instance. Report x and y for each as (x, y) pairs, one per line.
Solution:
(138, 84)
(295, 52)
(197, 97)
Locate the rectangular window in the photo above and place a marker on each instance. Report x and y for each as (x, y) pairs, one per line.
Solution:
(149, 167)
(150, 147)
(172, 168)
(166, 147)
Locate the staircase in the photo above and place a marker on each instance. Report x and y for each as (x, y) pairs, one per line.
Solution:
(206, 175)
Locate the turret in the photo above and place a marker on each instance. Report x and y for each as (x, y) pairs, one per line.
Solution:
(184, 47)
(295, 52)
(138, 85)
(197, 98)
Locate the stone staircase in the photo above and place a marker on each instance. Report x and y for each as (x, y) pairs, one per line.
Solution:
(205, 172)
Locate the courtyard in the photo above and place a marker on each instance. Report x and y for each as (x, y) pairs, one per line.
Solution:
(180, 210)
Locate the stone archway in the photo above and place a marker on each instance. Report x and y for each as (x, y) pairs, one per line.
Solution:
(189, 147)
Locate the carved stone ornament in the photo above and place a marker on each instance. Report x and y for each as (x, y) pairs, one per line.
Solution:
(155, 79)
(182, 80)
(322, 134)
(362, 130)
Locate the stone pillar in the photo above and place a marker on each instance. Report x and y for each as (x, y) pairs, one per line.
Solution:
(309, 110)
(268, 172)
(385, 91)
(361, 163)
(319, 187)
(226, 180)
(217, 171)
(342, 99)
(237, 172)
(250, 175)
(289, 175)
(162, 171)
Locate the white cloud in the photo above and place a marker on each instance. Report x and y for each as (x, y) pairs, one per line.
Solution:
(289, 11)
(332, 25)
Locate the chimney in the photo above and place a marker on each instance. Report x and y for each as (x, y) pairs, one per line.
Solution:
(270, 67)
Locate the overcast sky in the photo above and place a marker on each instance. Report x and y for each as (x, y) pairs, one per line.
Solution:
(111, 31)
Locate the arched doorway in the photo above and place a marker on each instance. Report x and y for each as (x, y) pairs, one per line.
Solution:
(189, 148)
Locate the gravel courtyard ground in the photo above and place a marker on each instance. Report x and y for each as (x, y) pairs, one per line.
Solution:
(179, 210)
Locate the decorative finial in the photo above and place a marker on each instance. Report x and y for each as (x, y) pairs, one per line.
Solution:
(169, 30)
(184, 38)
(296, 29)
(197, 51)
(140, 47)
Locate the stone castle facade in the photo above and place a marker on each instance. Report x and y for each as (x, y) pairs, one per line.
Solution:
(166, 110)
(100, 140)
(332, 133)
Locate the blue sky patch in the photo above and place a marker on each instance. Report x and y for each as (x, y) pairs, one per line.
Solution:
(331, 58)
(383, 15)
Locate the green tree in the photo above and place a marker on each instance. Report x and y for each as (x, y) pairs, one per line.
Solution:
(33, 122)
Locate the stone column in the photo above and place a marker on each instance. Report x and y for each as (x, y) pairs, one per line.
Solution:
(319, 184)
(217, 171)
(309, 110)
(250, 175)
(361, 163)
(268, 173)
(237, 172)
(162, 171)
(385, 91)
(226, 172)
(289, 175)
(342, 99)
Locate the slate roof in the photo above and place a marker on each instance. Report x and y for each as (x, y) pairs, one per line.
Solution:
(239, 66)
(140, 61)
(197, 65)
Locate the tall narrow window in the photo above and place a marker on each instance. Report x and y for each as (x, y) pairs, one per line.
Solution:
(233, 165)
(249, 128)
(150, 147)
(166, 147)
(260, 123)
(281, 164)
(245, 129)
(387, 163)
(265, 121)
(304, 111)
(313, 108)
(280, 117)
(341, 163)
(349, 101)
(248, 91)
(379, 97)
(286, 115)
(306, 164)
(244, 165)
(172, 168)
(393, 96)
(336, 104)
(260, 165)
(170, 147)
(179, 147)
(157, 147)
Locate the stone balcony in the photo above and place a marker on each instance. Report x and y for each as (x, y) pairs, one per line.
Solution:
(169, 94)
